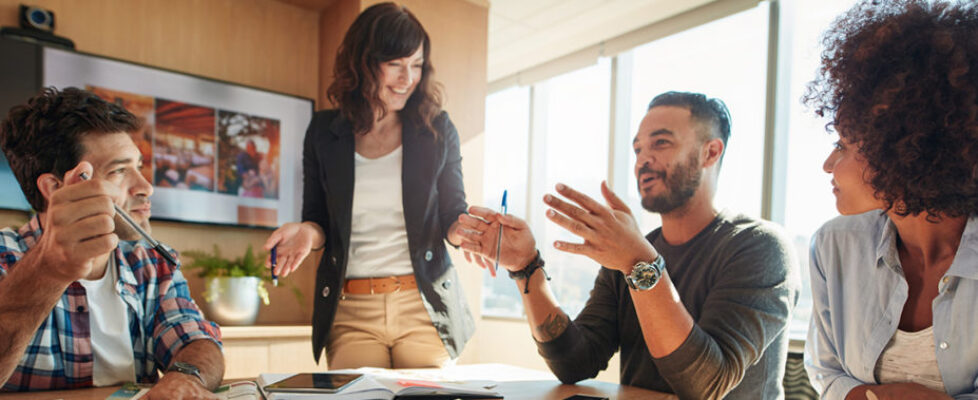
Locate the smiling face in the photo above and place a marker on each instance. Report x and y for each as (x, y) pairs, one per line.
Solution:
(667, 159)
(398, 79)
(116, 159)
(850, 180)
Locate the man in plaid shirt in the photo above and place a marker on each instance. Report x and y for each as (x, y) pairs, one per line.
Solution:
(83, 301)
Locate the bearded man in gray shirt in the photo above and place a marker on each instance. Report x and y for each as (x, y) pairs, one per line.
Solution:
(699, 307)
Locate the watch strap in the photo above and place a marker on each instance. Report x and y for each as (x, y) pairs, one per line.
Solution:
(186, 368)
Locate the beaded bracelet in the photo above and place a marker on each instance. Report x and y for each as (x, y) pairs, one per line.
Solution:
(528, 270)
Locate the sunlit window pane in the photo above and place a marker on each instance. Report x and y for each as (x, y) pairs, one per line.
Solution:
(809, 202)
(506, 168)
(576, 154)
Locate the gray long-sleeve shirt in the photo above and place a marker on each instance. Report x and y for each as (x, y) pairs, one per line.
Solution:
(738, 278)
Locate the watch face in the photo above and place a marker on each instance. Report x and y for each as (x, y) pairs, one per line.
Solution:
(644, 276)
(186, 368)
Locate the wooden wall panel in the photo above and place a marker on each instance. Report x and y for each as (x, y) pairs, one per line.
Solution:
(333, 23)
(261, 43)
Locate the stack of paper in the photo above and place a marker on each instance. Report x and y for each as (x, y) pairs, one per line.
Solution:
(375, 387)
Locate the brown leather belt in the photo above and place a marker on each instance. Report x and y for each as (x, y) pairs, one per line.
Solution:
(387, 284)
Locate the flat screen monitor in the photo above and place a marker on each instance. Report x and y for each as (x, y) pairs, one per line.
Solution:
(215, 152)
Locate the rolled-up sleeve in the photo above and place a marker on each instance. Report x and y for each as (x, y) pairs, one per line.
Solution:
(177, 320)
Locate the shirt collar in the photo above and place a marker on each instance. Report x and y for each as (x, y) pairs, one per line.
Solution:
(965, 262)
(886, 249)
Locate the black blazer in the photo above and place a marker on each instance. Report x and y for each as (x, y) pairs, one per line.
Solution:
(433, 196)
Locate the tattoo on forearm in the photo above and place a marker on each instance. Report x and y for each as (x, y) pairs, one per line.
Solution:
(553, 326)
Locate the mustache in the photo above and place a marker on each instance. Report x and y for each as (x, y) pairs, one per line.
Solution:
(646, 170)
(137, 202)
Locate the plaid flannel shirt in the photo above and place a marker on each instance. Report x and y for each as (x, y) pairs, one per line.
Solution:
(162, 318)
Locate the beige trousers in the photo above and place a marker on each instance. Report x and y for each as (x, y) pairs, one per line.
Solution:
(391, 330)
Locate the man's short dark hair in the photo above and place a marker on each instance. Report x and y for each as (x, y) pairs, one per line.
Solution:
(711, 112)
(44, 135)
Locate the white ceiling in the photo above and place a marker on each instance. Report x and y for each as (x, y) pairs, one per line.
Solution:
(525, 33)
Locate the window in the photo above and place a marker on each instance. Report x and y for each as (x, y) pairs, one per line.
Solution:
(808, 194)
(507, 152)
(569, 144)
(568, 134)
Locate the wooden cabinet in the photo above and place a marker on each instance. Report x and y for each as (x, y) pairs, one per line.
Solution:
(251, 350)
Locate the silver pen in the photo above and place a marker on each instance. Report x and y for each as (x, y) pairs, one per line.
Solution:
(152, 242)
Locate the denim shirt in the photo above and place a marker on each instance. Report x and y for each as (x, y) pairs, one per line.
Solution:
(859, 290)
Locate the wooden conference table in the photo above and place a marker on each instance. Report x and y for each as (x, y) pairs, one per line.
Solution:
(527, 387)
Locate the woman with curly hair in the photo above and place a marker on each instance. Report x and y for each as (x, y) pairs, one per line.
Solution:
(382, 193)
(895, 279)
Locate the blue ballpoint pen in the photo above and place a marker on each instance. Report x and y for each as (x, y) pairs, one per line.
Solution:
(274, 257)
(499, 238)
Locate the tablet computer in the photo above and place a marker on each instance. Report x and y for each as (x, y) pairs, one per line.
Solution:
(319, 382)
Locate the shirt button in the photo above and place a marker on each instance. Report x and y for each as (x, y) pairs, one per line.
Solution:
(332, 259)
(427, 255)
(943, 345)
(946, 279)
(80, 309)
(446, 284)
(325, 291)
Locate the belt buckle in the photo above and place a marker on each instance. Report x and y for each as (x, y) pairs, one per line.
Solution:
(397, 280)
(370, 280)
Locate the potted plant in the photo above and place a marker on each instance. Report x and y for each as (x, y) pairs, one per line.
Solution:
(234, 286)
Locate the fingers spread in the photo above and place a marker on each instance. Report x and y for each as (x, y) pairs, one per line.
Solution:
(574, 226)
(575, 248)
(570, 210)
(582, 199)
(615, 202)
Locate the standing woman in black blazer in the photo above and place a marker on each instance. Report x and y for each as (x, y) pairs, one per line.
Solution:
(382, 193)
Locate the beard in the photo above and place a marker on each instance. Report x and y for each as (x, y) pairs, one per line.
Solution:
(680, 185)
(125, 231)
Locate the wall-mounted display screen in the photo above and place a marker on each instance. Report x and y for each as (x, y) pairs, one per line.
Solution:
(215, 152)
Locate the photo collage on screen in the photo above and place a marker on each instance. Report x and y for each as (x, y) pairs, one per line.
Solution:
(193, 147)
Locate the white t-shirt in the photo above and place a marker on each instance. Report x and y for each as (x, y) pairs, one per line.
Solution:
(378, 237)
(109, 321)
(910, 357)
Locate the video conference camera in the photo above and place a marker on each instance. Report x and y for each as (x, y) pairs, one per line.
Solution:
(36, 26)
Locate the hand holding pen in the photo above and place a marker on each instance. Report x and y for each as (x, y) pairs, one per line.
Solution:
(274, 257)
(135, 226)
(77, 225)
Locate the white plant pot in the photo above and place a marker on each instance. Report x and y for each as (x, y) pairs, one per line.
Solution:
(233, 301)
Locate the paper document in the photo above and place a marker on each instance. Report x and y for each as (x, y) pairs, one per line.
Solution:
(375, 387)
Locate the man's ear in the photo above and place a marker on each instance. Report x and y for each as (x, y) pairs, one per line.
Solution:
(47, 184)
(712, 151)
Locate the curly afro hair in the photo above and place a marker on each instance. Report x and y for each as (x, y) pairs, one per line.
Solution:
(899, 78)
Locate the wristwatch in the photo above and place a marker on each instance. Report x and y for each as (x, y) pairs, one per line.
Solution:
(186, 368)
(645, 275)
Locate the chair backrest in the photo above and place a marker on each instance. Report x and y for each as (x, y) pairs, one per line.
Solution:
(796, 383)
